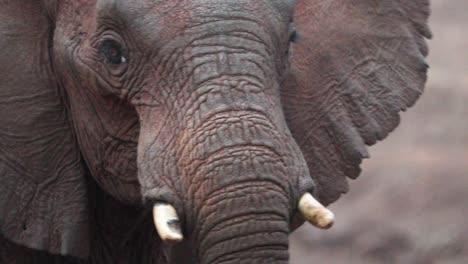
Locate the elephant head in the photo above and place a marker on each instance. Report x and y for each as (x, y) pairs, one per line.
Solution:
(223, 118)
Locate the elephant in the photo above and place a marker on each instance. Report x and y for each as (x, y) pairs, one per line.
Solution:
(192, 131)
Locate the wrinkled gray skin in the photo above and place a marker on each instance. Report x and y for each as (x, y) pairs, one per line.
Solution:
(124, 104)
(193, 96)
(203, 77)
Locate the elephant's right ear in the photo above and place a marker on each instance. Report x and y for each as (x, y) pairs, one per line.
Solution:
(43, 203)
(355, 65)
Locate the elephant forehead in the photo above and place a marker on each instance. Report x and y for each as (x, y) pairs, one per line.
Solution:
(154, 23)
(183, 12)
(170, 4)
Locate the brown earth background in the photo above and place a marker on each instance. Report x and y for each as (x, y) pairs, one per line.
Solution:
(410, 205)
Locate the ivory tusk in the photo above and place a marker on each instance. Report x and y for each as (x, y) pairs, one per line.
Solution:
(167, 223)
(314, 212)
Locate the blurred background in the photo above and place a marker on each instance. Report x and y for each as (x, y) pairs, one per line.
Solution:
(410, 204)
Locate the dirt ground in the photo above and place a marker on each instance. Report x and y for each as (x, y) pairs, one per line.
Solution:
(410, 205)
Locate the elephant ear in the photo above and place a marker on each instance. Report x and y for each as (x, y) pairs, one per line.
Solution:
(43, 202)
(355, 66)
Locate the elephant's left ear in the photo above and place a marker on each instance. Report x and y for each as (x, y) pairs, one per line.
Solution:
(43, 199)
(355, 66)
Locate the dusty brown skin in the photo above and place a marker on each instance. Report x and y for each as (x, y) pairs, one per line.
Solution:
(111, 106)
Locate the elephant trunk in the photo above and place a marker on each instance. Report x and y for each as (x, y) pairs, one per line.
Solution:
(239, 189)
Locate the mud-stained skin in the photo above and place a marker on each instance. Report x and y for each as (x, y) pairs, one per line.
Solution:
(229, 111)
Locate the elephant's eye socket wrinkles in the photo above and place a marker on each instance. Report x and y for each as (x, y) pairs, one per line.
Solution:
(112, 52)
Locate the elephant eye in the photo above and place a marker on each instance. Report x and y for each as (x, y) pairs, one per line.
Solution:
(112, 52)
(293, 36)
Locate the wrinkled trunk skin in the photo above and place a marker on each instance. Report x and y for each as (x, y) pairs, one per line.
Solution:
(241, 199)
(248, 225)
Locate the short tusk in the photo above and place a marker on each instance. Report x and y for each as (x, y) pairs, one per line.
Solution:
(315, 212)
(167, 223)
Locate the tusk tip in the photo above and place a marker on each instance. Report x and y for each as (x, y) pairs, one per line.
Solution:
(174, 234)
(172, 238)
(167, 223)
(325, 220)
(315, 213)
